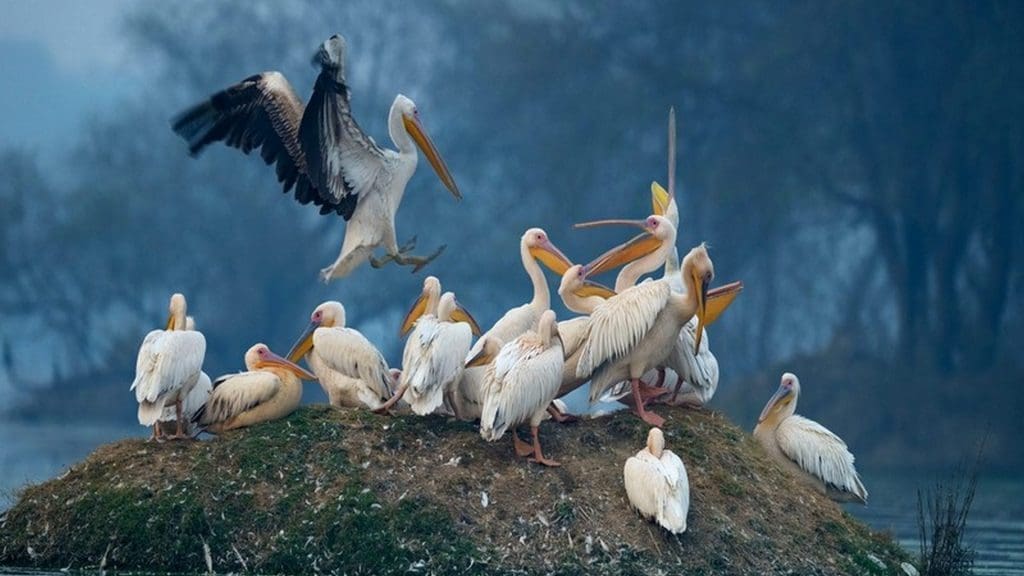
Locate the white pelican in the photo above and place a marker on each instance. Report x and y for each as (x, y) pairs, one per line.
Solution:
(657, 485)
(808, 449)
(435, 353)
(352, 372)
(521, 381)
(167, 368)
(270, 389)
(322, 152)
(193, 401)
(581, 296)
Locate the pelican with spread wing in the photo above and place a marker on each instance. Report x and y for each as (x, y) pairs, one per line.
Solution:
(323, 155)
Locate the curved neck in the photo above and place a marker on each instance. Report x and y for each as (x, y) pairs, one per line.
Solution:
(632, 272)
(396, 129)
(672, 262)
(180, 320)
(541, 295)
(579, 304)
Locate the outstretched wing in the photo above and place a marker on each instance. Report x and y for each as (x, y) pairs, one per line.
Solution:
(262, 112)
(343, 162)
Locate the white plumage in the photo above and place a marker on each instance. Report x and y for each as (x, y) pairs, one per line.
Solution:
(168, 365)
(434, 356)
(811, 451)
(657, 484)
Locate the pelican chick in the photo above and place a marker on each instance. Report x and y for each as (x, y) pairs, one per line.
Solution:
(521, 381)
(812, 452)
(269, 389)
(657, 485)
(168, 368)
(351, 371)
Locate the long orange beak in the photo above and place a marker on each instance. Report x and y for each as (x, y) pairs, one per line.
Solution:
(460, 314)
(781, 394)
(482, 358)
(419, 307)
(549, 255)
(591, 288)
(702, 300)
(275, 360)
(304, 344)
(623, 254)
(719, 299)
(170, 322)
(660, 199)
(422, 139)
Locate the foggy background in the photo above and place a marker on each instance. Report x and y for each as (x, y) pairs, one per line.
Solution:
(858, 167)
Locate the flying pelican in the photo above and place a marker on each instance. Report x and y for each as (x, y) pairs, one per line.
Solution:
(322, 152)
(634, 331)
(435, 352)
(168, 368)
(352, 372)
(521, 381)
(812, 452)
(193, 401)
(657, 485)
(270, 389)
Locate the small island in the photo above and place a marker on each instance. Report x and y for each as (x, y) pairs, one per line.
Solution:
(328, 490)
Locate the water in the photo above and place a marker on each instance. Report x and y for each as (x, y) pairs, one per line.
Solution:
(35, 452)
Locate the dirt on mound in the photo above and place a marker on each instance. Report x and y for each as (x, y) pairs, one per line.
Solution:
(337, 491)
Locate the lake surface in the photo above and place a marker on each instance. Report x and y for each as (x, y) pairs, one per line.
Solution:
(36, 452)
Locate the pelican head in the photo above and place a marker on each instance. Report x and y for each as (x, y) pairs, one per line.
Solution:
(327, 315)
(450, 310)
(536, 242)
(572, 280)
(177, 312)
(656, 442)
(483, 351)
(425, 304)
(658, 234)
(782, 404)
(664, 204)
(259, 357)
(697, 264)
(404, 108)
(331, 54)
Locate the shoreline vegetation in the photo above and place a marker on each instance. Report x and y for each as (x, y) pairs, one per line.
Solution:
(330, 491)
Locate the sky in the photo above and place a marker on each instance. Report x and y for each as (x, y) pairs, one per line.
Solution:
(62, 61)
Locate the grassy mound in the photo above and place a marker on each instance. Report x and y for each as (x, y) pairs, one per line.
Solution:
(334, 491)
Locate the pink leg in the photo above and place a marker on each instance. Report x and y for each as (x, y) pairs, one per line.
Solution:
(391, 401)
(522, 448)
(649, 417)
(557, 416)
(538, 456)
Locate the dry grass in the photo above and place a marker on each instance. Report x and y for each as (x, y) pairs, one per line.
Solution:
(337, 491)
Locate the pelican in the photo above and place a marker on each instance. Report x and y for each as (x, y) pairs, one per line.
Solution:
(323, 154)
(432, 362)
(352, 372)
(270, 389)
(634, 331)
(521, 381)
(582, 296)
(657, 485)
(809, 450)
(193, 401)
(168, 368)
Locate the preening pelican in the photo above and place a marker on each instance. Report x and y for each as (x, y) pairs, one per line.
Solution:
(352, 372)
(270, 389)
(192, 403)
(522, 379)
(657, 485)
(806, 448)
(168, 368)
(323, 154)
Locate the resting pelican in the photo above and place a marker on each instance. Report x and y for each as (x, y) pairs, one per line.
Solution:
(168, 368)
(352, 372)
(193, 401)
(521, 381)
(809, 450)
(270, 390)
(322, 152)
(657, 485)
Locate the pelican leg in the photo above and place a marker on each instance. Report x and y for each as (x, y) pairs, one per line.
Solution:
(522, 448)
(392, 401)
(418, 262)
(179, 433)
(638, 406)
(559, 417)
(538, 455)
(156, 433)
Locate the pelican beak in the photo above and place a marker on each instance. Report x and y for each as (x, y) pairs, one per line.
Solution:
(417, 310)
(419, 135)
(659, 199)
(780, 395)
(460, 314)
(170, 322)
(591, 288)
(275, 360)
(304, 344)
(482, 358)
(702, 310)
(549, 255)
(622, 254)
(719, 299)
